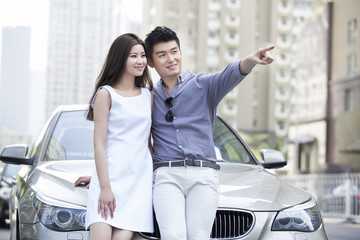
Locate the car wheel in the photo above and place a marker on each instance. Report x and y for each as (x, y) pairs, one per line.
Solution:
(2, 218)
(2, 222)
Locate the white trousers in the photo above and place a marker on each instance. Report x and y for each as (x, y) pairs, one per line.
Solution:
(185, 202)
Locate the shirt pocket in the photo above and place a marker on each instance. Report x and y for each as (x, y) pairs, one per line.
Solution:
(192, 102)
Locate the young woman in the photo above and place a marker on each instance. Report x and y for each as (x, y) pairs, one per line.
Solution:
(120, 192)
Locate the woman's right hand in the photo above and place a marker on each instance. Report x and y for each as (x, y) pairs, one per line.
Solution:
(106, 203)
(83, 181)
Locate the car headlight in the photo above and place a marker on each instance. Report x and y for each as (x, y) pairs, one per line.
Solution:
(300, 218)
(60, 218)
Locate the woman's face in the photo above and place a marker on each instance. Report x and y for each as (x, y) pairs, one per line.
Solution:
(136, 61)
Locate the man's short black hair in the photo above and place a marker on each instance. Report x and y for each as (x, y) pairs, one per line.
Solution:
(158, 35)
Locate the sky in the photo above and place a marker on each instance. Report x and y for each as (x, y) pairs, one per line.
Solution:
(34, 13)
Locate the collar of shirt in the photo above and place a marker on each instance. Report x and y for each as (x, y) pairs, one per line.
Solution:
(185, 75)
(182, 78)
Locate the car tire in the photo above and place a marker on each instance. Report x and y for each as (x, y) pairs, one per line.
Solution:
(2, 222)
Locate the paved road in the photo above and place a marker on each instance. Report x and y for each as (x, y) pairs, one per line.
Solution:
(343, 231)
(4, 234)
(337, 230)
(334, 229)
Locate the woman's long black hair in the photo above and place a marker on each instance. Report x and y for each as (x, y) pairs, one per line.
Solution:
(115, 64)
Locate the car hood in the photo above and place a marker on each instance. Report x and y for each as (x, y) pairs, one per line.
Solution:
(242, 186)
(55, 180)
(251, 187)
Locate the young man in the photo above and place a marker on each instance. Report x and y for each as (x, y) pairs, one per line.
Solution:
(186, 187)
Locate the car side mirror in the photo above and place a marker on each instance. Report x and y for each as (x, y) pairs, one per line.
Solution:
(272, 158)
(16, 154)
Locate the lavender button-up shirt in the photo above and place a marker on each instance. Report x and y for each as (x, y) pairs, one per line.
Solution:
(195, 98)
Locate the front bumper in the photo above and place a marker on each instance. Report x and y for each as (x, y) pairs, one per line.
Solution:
(40, 232)
(261, 230)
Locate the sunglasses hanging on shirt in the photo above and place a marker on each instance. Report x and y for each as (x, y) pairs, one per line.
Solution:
(169, 116)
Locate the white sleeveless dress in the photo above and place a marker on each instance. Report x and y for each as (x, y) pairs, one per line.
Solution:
(129, 164)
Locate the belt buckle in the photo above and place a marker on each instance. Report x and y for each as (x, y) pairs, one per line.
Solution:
(201, 162)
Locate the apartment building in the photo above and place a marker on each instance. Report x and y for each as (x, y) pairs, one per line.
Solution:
(325, 133)
(308, 114)
(291, 99)
(80, 34)
(344, 87)
(213, 34)
(15, 80)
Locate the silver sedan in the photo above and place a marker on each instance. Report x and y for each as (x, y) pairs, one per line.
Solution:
(254, 204)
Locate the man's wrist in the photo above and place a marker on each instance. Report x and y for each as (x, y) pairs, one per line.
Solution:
(246, 65)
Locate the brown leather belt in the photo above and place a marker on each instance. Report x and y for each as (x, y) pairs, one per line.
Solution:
(188, 162)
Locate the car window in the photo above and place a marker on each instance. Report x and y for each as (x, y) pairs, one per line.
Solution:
(228, 147)
(72, 138)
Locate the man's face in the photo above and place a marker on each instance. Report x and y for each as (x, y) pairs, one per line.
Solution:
(167, 60)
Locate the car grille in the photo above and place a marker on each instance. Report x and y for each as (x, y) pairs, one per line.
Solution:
(228, 224)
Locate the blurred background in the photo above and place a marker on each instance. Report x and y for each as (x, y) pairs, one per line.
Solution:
(306, 104)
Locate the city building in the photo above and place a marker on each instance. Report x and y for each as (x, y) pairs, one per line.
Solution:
(324, 134)
(15, 79)
(307, 101)
(344, 87)
(307, 134)
(80, 35)
(215, 33)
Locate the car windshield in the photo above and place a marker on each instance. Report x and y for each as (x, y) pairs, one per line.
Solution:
(72, 139)
(228, 147)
